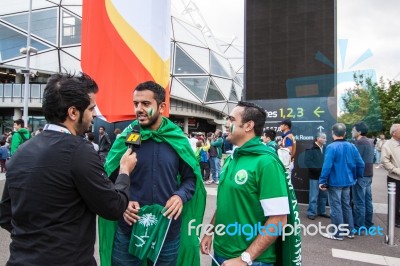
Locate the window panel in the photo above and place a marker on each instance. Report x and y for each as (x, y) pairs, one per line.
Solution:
(43, 23)
(197, 85)
(12, 41)
(71, 29)
(213, 93)
(184, 64)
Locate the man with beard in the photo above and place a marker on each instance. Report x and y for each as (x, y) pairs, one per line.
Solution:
(167, 173)
(253, 190)
(55, 182)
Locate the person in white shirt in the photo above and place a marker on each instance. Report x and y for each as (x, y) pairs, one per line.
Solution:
(90, 137)
(390, 160)
(193, 140)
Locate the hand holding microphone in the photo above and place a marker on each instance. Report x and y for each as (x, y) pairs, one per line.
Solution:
(129, 160)
(133, 139)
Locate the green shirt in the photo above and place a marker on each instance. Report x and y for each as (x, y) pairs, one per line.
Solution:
(252, 187)
(17, 139)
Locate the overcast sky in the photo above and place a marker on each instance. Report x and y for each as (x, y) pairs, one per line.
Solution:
(366, 24)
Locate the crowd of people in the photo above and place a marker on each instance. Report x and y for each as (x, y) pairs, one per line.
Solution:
(209, 152)
(341, 174)
(60, 180)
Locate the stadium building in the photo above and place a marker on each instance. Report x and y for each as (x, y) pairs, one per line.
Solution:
(206, 73)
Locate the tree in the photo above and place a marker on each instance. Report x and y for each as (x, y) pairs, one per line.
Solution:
(390, 107)
(375, 104)
(362, 103)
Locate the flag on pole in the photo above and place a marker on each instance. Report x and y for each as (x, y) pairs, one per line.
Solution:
(125, 43)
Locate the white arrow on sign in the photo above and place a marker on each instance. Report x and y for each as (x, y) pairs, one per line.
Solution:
(320, 128)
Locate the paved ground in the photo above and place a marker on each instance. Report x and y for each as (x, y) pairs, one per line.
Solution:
(316, 250)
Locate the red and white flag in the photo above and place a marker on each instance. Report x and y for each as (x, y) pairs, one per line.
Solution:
(124, 43)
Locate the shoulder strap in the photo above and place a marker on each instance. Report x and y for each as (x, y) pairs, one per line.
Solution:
(292, 138)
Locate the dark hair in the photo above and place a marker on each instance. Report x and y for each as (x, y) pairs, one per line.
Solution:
(64, 90)
(19, 122)
(199, 143)
(339, 129)
(253, 112)
(90, 136)
(361, 127)
(159, 92)
(286, 122)
(102, 128)
(270, 134)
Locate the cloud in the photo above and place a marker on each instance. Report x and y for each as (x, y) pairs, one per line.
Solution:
(371, 24)
(367, 24)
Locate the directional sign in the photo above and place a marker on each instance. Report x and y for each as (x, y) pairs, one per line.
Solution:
(308, 115)
(318, 111)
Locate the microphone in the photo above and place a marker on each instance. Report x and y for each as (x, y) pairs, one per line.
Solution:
(133, 139)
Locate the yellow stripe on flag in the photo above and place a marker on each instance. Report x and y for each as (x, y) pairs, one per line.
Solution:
(147, 55)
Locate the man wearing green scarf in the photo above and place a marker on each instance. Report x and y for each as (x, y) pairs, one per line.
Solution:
(167, 174)
(254, 200)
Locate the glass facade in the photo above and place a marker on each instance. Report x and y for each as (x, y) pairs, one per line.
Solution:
(43, 23)
(200, 72)
(71, 29)
(12, 41)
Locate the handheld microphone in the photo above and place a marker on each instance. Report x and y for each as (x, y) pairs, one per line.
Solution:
(133, 139)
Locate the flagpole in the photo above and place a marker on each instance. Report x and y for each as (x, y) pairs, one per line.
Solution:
(27, 70)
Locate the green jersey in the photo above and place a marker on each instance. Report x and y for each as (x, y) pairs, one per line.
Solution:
(252, 187)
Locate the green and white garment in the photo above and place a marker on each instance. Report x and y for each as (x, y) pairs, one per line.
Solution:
(149, 232)
(253, 185)
(189, 251)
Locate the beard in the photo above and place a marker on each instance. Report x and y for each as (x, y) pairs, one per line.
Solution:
(151, 120)
(82, 127)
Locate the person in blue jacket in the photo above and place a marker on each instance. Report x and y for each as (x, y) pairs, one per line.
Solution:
(342, 166)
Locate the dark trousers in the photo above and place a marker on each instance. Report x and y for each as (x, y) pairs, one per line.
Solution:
(3, 165)
(103, 155)
(205, 170)
(397, 201)
(121, 256)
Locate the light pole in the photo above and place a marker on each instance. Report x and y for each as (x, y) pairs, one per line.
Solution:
(28, 50)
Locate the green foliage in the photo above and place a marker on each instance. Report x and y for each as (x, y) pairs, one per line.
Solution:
(389, 104)
(372, 103)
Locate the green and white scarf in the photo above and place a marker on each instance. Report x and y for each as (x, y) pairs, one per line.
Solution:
(288, 250)
(189, 252)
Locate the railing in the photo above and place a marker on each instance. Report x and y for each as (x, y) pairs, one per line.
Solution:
(14, 93)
